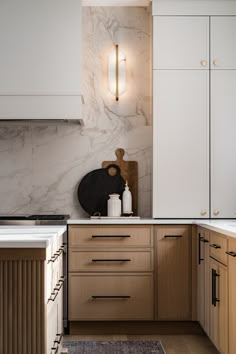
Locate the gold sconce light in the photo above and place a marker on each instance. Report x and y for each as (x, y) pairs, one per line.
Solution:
(117, 72)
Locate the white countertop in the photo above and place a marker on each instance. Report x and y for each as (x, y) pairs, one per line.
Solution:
(28, 236)
(226, 226)
(128, 221)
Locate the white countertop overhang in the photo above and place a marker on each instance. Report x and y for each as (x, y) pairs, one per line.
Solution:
(29, 236)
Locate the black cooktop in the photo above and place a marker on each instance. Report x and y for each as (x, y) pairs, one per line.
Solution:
(36, 217)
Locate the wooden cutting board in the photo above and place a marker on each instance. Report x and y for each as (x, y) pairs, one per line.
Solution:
(129, 171)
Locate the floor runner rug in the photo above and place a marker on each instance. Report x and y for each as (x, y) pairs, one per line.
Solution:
(114, 347)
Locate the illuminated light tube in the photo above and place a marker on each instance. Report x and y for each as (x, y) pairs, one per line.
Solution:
(117, 72)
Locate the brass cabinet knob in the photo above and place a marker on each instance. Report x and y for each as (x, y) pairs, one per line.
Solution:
(216, 212)
(215, 62)
(203, 63)
(203, 212)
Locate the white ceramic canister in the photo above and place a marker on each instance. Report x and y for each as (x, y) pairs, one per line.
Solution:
(114, 205)
(127, 200)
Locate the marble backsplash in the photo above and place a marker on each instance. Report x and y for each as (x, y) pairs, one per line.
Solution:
(41, 165)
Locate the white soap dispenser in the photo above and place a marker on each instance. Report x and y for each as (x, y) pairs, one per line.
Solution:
(127, 200)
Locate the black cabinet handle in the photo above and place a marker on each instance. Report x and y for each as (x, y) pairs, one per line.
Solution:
(53, 259)
(111, 297)
(171, 236)
(111, 260)
(54, 294)
(231, 253)
(199, 249)
(58, 340)
(204, 240)
(214, 245)
(214, 299)
(110, 236)
(56, 349)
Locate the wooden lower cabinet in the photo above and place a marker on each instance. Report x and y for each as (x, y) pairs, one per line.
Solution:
(112, 296)
(111, 272)
(203, 278)
(173, 272)
(219, 306)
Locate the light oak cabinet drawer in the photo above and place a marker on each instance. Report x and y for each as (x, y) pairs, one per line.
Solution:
(97, 261)
(218, 247)
(110, 297)
(110, 236)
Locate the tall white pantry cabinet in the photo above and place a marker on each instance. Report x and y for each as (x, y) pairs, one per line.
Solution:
(194, 109)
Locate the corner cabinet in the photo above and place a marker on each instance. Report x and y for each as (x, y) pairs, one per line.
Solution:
(40, 59)
(194, 86)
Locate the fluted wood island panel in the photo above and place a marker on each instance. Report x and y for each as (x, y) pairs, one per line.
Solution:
(22, 301)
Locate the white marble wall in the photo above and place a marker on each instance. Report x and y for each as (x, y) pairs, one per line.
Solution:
(41, 165)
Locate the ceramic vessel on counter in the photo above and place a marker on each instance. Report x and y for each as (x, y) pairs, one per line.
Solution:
(114, 205)
(127, 200)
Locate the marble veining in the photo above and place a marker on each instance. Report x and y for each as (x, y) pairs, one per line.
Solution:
(41, 165)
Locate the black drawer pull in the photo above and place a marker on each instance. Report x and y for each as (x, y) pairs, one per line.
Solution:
(111, 297)
(55, 348)
(111, 260)
(214, 245)
(53, 259)
(231, 253)
(200, 239)
(110, 236)
(206, 241)
(59, 335)
(53, 295)
(214, 299)
(171, 236)
(60, 284)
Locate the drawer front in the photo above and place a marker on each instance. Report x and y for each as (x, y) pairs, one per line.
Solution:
(218, 247)
(110, 260)
(110, 297)
(110, 236)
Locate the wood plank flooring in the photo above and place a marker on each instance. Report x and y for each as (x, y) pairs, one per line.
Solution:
(173, 344)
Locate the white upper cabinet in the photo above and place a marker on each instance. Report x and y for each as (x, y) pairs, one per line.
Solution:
(181, 42)
(40, 43)
(181, 144)
(223, 42)
(223, 144)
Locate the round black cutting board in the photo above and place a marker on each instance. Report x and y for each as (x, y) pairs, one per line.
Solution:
(95, 187)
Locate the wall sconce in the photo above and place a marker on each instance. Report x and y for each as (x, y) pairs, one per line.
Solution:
(117, 72)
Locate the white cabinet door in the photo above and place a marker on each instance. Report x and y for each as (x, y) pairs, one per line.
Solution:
(181, 42)
(181, 144)
(223, 143)
(223, 43)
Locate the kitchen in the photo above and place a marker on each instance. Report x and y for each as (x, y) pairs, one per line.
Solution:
(42, 164)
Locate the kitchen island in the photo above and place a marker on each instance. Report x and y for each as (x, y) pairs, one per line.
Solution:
(31, 282)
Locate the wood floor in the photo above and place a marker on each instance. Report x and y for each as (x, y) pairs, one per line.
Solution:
(173, 344)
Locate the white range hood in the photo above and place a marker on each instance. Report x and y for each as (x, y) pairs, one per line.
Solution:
(40, 60)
